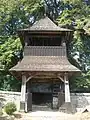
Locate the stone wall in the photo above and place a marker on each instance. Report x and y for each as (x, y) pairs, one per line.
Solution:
(7, 96)
(79, 100)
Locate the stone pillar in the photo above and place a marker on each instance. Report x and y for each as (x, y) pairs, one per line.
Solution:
(23, 93)
(67, 91)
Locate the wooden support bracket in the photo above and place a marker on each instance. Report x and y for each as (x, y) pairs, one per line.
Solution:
(29, 78)
(60, 78)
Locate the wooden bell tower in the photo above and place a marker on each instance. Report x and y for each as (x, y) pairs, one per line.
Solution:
(44, 61)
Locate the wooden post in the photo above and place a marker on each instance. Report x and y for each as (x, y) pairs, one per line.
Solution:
(23, 93)
(67, 106)
(67, 91)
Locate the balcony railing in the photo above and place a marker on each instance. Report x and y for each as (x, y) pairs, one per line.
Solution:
(45, 51)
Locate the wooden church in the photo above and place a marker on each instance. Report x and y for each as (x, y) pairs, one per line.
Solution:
(44, 69)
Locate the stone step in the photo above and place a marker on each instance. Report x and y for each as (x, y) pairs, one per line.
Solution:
(41, 108)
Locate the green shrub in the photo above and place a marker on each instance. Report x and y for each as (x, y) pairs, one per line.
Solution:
(1, 112)
(10, 108)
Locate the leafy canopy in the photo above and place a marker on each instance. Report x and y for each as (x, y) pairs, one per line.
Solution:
(76, 15)
(17, 14)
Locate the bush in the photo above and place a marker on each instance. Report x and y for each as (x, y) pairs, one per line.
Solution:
(1, 112)
(10, 108)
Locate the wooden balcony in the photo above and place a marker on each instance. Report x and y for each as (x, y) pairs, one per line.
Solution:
(45, 51)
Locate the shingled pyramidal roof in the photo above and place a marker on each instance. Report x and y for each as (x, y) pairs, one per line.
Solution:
(45, 63)
(45, 24)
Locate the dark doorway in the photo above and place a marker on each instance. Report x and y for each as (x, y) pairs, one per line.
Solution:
(42, 98)
(41, 93)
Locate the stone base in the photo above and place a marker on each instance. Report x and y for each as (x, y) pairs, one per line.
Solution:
(67, 108)
(22, 106)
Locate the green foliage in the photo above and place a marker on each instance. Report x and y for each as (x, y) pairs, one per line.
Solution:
(80, 83)
(10, 108)
(9, 52)
(18, 14)
(8, 82)
(76, 16)
(1, 112)
(15, 14)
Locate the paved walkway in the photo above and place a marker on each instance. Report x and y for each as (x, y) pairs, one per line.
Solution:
(45, 115)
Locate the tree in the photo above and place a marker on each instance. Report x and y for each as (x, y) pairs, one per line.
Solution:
(13, 16)
(76, 16)
(17, 14)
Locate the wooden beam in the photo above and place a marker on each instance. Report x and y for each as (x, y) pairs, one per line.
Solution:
(67, 91)
(23, 88)
(23, 94)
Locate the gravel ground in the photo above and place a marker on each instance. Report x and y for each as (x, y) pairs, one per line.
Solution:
(43, 115)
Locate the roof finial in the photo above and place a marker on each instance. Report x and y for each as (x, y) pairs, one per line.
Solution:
(45, 9)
